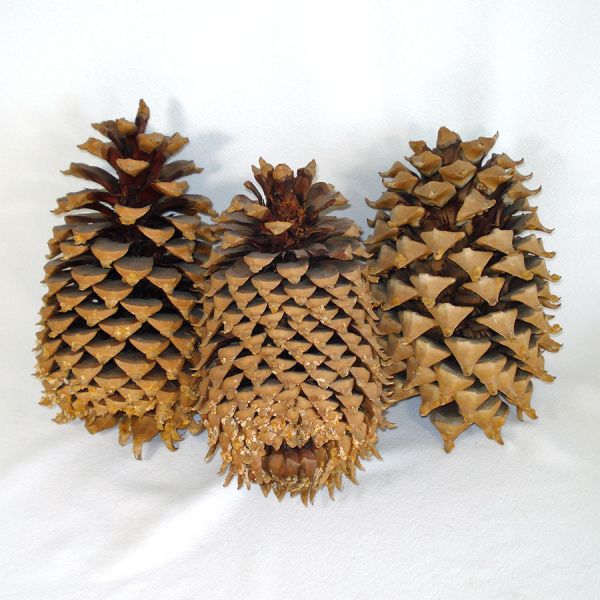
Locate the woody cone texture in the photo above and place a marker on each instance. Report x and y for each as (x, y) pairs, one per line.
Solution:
(463, 284)
(117, 342)
(291, 377)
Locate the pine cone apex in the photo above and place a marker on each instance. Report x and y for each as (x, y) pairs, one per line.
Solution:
(287, 214)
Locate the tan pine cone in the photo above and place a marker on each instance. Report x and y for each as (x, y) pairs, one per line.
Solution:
(117, 344)
(463, 284)
(291, 382)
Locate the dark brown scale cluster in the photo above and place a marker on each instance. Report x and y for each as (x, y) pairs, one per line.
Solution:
(290, 382)
(117, 345)
(463, 284)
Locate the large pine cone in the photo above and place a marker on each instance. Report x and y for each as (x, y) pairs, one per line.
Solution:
(291, 381)
(463, 284)
(117, 346)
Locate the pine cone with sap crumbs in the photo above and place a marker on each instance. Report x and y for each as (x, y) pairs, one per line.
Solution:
(291, 382)
(117, 346)
(463, 284)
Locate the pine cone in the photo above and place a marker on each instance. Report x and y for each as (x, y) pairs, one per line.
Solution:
(117, 343)
(463, 284)
(291, 382)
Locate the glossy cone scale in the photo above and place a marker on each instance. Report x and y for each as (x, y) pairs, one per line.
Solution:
(291, 378)
(463, 284)
(117, 346)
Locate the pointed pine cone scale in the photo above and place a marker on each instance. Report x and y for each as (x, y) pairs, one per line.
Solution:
(498, 239)
(128, 215)
(474, 204)
(487, 288)
(157, 235)
(471, 261)
(403, 215)
(470, 400)
(448, 316)
(112, 291)
(414, 325)
(439, 241)
(429, 286)
(435, 193)
(134, 269)
(467, 352)
(69, 298)
(458, 173)
(85, 276)
(449, 423)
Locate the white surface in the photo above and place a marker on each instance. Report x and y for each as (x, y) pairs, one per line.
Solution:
(349, 84)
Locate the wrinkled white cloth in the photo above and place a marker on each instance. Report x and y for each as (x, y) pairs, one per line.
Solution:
(349, 84)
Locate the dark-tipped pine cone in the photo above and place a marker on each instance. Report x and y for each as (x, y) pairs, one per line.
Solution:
(463, 284)
(291, 381)
(117, 344)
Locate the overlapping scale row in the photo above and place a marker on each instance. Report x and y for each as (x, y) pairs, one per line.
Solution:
(117, 344)
(463, 284)
(291, 378)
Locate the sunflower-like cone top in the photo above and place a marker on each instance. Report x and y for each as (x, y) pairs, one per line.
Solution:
(117, 343)
(463, 284)
(291, 380)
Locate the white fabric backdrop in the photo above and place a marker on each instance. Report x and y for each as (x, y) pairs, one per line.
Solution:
(349, 84)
